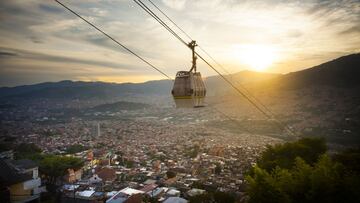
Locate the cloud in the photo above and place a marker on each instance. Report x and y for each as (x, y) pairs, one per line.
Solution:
(351, 30)
(99, 12)
(50, 8)
(42, 32)
(7, 54)
(24, 54)
(175, 4)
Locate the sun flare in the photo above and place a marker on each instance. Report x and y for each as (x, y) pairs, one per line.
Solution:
(257, 57)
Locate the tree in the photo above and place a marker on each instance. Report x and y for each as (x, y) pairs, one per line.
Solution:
(350, 158)
(54, 166)
(203, 198)
(213, 197)
(324, 180)
(27, 151)
(75, 149)
(283, 155)
(223, 197)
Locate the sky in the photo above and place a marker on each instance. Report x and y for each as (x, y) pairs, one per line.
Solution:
(40, 41)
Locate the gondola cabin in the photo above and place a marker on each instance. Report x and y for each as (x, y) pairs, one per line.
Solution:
(189, 89)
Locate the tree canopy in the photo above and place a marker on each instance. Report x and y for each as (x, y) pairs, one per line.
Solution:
(55, 166)
(304, 176)
(75, 149)
(213, 197)
(27, 151)
(283, 155)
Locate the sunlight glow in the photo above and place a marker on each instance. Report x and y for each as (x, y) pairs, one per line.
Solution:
(257, 57)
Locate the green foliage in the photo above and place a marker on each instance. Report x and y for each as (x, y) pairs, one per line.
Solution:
(129, 163)
(213, 197)
(203, 198)
(283, 155)
(223, 197)
(350, 158)
(303, 178)
(55, 166)
(326, 181)
(75, 149)
(27, 151)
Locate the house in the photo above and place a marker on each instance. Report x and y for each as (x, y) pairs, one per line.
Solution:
(107, 174)
(95, 179)
(73, 175)
(194, 192)
(127, 195)
(20, 181)
(175, 200)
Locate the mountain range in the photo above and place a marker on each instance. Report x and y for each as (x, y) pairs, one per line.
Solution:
(342, 72)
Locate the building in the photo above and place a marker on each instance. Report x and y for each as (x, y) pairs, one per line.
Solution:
(20, 181)
(127, 195)
(73, 175)
(175, 200)
(108, 175)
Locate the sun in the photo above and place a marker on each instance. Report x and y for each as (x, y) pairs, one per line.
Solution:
(257, 57)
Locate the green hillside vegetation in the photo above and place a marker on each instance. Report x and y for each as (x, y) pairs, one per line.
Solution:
(302, 172)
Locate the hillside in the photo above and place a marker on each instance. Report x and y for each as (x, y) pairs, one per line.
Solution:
(84, 90)
(101, 90)
(217, 85)
(342, 72)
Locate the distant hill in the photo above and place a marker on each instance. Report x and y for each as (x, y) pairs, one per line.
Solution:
(84, 90)
(89, 90)
(217, 85)
(245, 76)
(342, 72)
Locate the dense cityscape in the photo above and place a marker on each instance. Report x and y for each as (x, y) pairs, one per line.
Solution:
(154, 156)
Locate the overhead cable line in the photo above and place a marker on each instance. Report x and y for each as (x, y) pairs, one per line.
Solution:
(148, 63)
(114, 40)
(213, 59)
(158, 19)
(280, 124)
(148, 10)
(187, 35)
(132, 52)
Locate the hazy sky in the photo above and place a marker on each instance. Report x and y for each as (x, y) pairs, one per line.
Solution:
(41, 41)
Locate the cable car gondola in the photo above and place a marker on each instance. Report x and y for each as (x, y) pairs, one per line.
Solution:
(189, 89)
